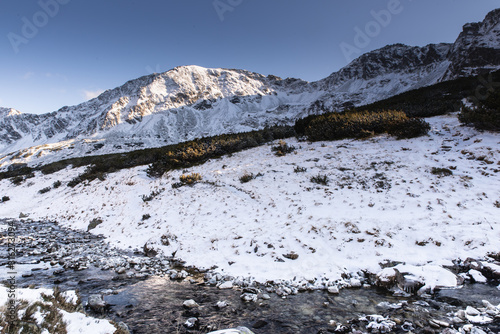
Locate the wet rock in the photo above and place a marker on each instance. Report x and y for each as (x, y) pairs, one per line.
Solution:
(249, 297)
(333, 290)
(191, 323)
(190, 304)
(237, 330)
(472, 311)
(97, 304)
(259, 324)
(221, 304)
(123, 327)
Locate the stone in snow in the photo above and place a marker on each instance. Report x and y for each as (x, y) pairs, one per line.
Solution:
(477, 276)
(333, 290)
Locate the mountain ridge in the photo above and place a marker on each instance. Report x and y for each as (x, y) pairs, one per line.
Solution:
(191, 101)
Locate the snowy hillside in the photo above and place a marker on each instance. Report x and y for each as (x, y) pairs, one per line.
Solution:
(190, 101)
(386, 200)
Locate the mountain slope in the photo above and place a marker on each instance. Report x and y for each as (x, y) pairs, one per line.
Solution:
(190, 101)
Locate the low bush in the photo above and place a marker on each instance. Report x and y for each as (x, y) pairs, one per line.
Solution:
(190, 179)
(441, 171)
(94, 223)
(300, 169)
(485, 116)
(44, 190)
(146, 216)
(5, 199)
(320, 179)
(362, 124)
(247, 177)
(152, 195)
(282, 148)
(56, 184)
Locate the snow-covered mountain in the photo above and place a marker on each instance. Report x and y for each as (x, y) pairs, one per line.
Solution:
(190, 101)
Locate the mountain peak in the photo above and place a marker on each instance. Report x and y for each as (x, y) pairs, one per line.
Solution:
(8, 112)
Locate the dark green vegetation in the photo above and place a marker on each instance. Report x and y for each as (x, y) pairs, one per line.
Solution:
(320, 179)
(486, 116)
(162, 159)
(395, 116)
(282, 149)
(441, 171)
(247, 177)
(362, 124)
(441, 98)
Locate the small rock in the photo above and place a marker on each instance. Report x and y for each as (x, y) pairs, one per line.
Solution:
(190, 304)
(123, 326)
(477, 276)
(333, 290)
(226, 285)
(121, 270)
(221, 304)
(191, 322)
(265, 296)
(249, 297)
(441, 323)
(355, 283)
(472, 311)
(96, 303)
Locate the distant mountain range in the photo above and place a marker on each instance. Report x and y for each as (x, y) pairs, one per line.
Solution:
(190, 101)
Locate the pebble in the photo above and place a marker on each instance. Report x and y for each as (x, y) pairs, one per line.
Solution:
(221, 304)
(249, 297)
(472, 311)
(226, 285)
(333, 290)
(191, 322)
(190, 304)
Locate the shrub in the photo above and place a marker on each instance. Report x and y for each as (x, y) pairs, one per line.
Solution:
(17, 180)
(441, 171)
(247, 177)
(410, 128)
(300, 169)
(94, 223)
(482, 118)
(152, 195)
(56, 184)
(146, 216)
(5, 198)
(44, 190)
(190, 179)
(320, 179)
(282, 148)
(362, 124)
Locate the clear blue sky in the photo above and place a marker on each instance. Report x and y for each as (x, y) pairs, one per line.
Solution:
(87, 46)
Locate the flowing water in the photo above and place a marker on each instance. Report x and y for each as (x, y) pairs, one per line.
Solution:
(154, 304)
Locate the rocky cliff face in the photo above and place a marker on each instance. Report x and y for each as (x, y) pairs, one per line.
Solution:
(191, 101)
(477, 48)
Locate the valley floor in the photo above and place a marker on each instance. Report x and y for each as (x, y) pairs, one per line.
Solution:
(386, 200)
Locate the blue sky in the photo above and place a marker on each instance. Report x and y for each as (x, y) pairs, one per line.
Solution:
(62, 52)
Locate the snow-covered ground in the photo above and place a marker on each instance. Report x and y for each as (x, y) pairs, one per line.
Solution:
(382, 203)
